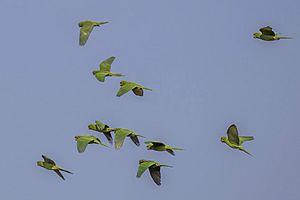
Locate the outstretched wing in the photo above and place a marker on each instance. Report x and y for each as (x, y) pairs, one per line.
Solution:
(245, 138)
(82, 143)
(232, 134)
(106, 64)
(126, 88)
(85, 32)
(48, 160)
(120, 135)
(155, 174)
(101, 126)
(135, 139)
(143, 167)
(267, 31)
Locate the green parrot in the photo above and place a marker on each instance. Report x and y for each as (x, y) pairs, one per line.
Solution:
(234, 140)
(267, 34)
(159, 146)
(83, 141)
(86, 28)
(50, 165)
(126, 86)
(154, 169)
(121, 133)
(102, 128)
(105, 70)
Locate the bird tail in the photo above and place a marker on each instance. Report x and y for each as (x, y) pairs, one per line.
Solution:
(118, 75)
(100, 23)
(284, 37)
(242, 149)
(66, 171)
(177, 148)
(147, 89)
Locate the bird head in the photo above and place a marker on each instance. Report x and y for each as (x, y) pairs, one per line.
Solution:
(142, 161)
(39, 163)
(256, 35)
(94, 72)
(80, 24)
(149, 146)
(223, 139)
(122, 83)
(92, 127)
(77, 137)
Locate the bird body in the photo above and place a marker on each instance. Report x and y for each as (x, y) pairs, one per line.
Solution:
(51, 165)
(86, 28)
(154, 169)
(159, 146)
(122, 133)
(126, 86)
(267, 34)
(235, 141)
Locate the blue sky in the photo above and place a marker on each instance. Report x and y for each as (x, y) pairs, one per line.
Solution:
(206, 72)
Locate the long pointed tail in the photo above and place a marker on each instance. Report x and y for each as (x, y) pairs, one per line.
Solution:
(245, 151)
(284, 37)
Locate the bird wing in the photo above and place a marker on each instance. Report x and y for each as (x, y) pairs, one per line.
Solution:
(232, 134)
(58, 173)
(82, 143)
(120, 135)
(106, 64)
(245, 138)
(126, 88)
(108, 137)
(48, 160)
(100, 125)
(85, 32)
(155, 174)
(267, 31)
(143, 167)
(135, 139)
(170, 151)
(100, 76)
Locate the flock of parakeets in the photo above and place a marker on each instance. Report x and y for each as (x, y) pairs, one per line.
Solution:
(233, 139)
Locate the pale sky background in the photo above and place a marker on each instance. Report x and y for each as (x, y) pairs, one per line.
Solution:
(206, 72)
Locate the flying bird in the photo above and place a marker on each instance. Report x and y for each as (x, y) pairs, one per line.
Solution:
(122, 133)
(102, 128)
(235, 141)
(105, 70)
(126, 86)
(50, 165)
(83, 141)
(159, 146)
(154, 169)
(267, 34)
(86, 28)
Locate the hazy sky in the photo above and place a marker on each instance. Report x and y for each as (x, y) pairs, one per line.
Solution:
(206, 72)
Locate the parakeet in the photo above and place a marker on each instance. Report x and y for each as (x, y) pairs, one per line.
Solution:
(126, 86)
(83, 141)
(121, 133)
(102, 128)
(234, 140)
(159, 146)
(105, 70)
(86, 28)
(267, 34)
(50, 165)
(154, 169)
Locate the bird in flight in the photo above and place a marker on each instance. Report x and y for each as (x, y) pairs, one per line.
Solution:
(86, 28)
(159, 146)
(105, 70)
(102, 128)
(50, 165)
(235, 141)
(267, 34)
(154, 169)
(83, 141)
(126, 86)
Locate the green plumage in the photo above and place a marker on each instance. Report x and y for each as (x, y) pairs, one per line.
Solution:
(102, 128)
(154, 169)
(83, 141)
(235, 141)
(126, 86)
(50, 165)
(86, 28)
(122, 133)
(105, 70)
(267, 34)
(159, 146)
